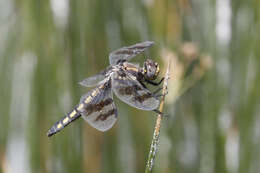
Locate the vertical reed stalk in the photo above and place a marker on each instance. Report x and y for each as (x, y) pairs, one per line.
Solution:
(156, 134)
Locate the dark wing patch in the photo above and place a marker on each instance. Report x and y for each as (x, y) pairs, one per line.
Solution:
(99, 109)
(126, 53)
(128, 89)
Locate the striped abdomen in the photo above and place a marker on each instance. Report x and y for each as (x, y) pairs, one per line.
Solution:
(59, 125)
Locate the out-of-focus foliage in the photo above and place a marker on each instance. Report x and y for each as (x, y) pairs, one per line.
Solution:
(46, 47)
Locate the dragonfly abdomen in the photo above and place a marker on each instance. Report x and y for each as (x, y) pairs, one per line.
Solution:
(66, 120)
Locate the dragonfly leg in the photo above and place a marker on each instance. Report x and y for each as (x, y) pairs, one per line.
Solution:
(154, 83)
(161, 95)
(143, 84)
(161, 113)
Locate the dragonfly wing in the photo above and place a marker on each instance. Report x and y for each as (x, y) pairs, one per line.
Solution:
(126, 53)
(93, 80)
(98, 107)
(130, 90)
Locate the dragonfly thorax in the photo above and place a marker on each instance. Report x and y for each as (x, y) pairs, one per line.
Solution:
(151, 69)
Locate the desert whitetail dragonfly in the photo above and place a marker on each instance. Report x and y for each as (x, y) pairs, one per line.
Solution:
(126, 80)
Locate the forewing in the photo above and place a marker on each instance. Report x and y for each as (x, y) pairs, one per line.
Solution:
(93, 80)
(98, 108)
(126, 53)
(128, 89)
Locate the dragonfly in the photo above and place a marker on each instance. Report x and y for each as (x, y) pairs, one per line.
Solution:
(126, 80)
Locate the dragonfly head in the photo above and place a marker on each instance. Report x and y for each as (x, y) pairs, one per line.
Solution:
(151, 69)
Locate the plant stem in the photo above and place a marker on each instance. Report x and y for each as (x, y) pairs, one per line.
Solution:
(156, 134)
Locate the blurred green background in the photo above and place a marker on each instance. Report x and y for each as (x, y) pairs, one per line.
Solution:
(47, 47)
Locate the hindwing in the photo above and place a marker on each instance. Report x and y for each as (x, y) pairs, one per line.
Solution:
(98, 108)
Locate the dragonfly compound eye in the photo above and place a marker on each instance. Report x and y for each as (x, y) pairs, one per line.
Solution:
(151, 69)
